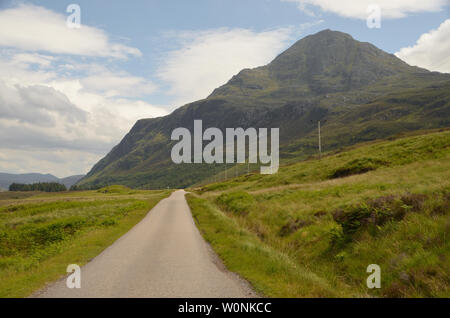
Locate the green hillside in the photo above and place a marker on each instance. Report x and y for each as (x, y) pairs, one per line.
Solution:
(312, 229)
(358, 91)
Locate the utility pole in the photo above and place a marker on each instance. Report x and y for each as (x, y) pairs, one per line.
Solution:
(320, 142)
(320, 136)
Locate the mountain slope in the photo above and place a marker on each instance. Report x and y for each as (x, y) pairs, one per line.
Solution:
(360, 91)
(71, 180)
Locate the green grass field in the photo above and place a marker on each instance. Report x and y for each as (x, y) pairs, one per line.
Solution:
(312, 229)
(40, 233)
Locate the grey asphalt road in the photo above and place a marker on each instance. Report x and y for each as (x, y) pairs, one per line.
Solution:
(162, 256)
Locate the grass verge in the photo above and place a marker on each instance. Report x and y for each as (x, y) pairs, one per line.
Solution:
(385, 203)
(41, 234)
(271, 272)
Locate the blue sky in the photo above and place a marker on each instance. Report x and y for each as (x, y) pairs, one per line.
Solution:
(138, 59)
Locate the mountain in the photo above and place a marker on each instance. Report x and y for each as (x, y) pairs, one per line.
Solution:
(71, 180)
(28, 178)
(358, 91)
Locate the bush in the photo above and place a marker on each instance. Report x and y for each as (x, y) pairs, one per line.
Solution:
(115, 189)
(35, 236)
(415, 201)
(237, 202)
(378, 211)
(216, 187)
(293, 226)
(357, 166)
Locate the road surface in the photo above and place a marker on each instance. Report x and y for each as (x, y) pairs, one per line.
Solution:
(164, 255)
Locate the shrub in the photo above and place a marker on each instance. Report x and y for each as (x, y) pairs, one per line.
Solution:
(352, 219)
(35, 236)
(337, 236)
(414, 200)
(378, 211)
(293, 226)
(441, 206)
(357, 166)
(320, 214)
(114, 189)
(216, 187)
(109, 222)
(237, 202)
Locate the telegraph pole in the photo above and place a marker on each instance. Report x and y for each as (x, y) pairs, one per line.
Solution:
(320, 136)
(320, 142)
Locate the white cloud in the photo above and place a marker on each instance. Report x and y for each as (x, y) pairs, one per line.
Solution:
(19, 68)
(39, 105)
(208, 59)
(118, 84)
(390, 9)
(432, 50)
(62, 110)
(52, 106)
(61, 118)
(33, 28)
(26, 59)
(44, 161)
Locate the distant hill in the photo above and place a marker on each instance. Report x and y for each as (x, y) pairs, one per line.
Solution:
(71, 180)
(358, 91)
(28, 178)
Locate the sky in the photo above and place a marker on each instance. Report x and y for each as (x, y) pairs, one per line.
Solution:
(68, 95)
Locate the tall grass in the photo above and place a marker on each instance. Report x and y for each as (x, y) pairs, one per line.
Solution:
(43, 233)
(335, 216)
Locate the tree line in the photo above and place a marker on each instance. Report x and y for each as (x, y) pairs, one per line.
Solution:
(44, 187)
